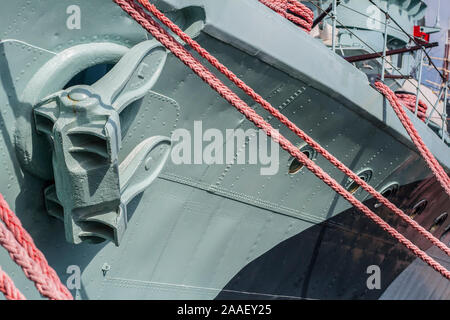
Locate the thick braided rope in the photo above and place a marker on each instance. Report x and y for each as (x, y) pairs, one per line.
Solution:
(188, 59)
(283, 119)
(292, 10)
(409, 101)
(8, 288)
(431, 161)
(13, 223)
(32, 270)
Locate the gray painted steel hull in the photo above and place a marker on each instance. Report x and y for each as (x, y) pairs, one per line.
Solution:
(201, 231)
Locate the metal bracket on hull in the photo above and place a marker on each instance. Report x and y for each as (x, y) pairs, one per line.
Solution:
(91, 188)
(376, 55)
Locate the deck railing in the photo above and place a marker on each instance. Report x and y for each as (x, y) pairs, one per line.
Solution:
(390, 24)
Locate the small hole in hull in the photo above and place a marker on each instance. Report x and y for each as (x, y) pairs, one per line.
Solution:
(388, 192)
(296, 165)
(418, 208)
(352, 186)
(439, 221)
(446, 235)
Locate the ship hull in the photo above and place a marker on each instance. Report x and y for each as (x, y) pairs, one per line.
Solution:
(224, 231)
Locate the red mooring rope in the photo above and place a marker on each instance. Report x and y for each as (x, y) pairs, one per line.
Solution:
(145, 20)
(21, 248)
(409, 101)
(292, 10)
(301, 134)
(431, 161)
(19, 244)
(8, 288)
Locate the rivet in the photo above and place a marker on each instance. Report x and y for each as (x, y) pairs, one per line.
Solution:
(77, 96)
(105, 268)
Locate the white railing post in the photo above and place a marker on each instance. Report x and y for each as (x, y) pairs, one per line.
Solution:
(444, 112)
(441, 91)
(383, 65)
(419, 80)
(333, 32)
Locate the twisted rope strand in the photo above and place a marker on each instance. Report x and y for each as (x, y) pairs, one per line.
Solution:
(431, 161)
(409, 101)
(12, 222)
(32, 269)
(8, 288)
(292, 10)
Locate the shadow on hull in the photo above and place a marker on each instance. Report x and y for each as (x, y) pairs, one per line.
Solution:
(330, 259)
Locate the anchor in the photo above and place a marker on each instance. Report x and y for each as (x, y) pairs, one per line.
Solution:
(82, 124)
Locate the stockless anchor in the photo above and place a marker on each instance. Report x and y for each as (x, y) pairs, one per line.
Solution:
(91, 188)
